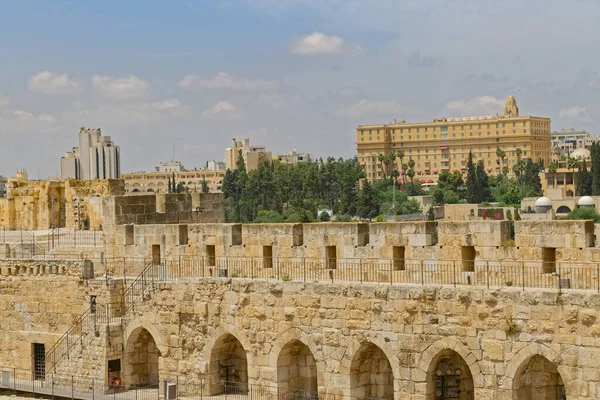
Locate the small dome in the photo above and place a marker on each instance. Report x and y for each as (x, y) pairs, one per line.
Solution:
(543, 202)
(581, 153)
(586, 201)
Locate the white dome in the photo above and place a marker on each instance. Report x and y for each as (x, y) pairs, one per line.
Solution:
(586, 201)
(581, 153)
(543, 202)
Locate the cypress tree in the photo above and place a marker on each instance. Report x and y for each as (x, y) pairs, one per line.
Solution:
(169, 185)
(483, 192)
(595, 155)
(584, 181)
(174, 185)
(471, 184)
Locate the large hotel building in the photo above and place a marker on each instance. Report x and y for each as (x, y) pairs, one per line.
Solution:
(444, 144)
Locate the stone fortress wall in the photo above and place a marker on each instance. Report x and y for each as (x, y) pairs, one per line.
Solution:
(392, 339)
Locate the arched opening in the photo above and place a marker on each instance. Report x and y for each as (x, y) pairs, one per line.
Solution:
(141, 360)
(228, 366)
(449, 377)
(538, 378)
(371, 374)
(563, 210)
(569, 193)
(297, 372)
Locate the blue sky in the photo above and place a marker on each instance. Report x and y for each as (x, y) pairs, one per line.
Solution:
(287, 73)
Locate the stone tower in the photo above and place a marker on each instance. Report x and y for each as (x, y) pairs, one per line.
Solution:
(511, 109)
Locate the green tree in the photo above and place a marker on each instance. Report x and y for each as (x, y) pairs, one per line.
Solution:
(471, 184)
(477, 185)
(529, 180)
(484, 192)
(173, 184)
(205, 188)
(180, 188)
(584, 181)
(595, 155)
(400, 155)
(169, 187)
(368, 204)
(501, 154)
(430, 214)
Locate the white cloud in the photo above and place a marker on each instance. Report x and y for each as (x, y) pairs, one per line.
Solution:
(319, 43)
(576, 112)
(222, 110)
(47, 82)
(4, 101)
(133, 114)
(478, 106)
(365, 107)
(127, 87)
(25, 121)
(225, 81)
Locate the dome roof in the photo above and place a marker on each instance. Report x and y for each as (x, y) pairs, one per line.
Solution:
(586, 201)
(581, 153)
(543, 202)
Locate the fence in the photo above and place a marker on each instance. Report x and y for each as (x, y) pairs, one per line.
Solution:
(49, 384)
(25, 243)
(497, 273)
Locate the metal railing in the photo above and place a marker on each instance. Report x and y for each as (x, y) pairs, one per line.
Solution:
(562, 275)
(90, 388)
(43, 241)
(75, 337)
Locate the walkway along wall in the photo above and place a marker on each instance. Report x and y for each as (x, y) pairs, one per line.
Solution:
(370, 340)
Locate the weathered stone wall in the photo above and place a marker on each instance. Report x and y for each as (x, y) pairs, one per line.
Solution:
(39, 301)
(495, 332)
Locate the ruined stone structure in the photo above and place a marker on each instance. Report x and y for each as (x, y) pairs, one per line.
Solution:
(411, 310)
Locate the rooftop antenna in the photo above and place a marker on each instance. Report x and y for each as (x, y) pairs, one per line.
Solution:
(173, 159)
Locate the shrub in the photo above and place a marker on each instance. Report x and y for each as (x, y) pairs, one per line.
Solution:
(584, 213)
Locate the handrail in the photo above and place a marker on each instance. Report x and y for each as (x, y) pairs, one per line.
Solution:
(90, 317)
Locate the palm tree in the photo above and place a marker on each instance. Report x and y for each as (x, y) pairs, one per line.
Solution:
(552, 168)
(400, 155)
(411, 169)
(501, 155)
(382, 160)
(519, 153)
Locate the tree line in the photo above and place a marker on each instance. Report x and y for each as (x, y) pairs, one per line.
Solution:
(279, 192)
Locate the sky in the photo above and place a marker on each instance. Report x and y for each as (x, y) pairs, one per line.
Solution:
(288, 74)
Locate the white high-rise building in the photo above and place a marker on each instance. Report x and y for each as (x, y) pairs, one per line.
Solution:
(97, 157)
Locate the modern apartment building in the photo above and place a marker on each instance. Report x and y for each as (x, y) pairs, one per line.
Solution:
(293, 157)
(444, 144)
(253, 155)
(97, 157)
(566, 141)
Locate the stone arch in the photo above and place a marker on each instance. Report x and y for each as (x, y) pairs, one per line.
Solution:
(372, 368)
(229, 359)
(536, 372)
(140, 322)
(297, 371)
(563, 210)
(452, 354)
(295, 334)
(143, 348)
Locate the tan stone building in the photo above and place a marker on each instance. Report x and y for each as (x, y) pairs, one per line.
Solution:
(253, 155)
(444, 144)
(158, 182)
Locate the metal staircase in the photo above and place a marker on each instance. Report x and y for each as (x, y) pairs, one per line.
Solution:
(73, 341)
